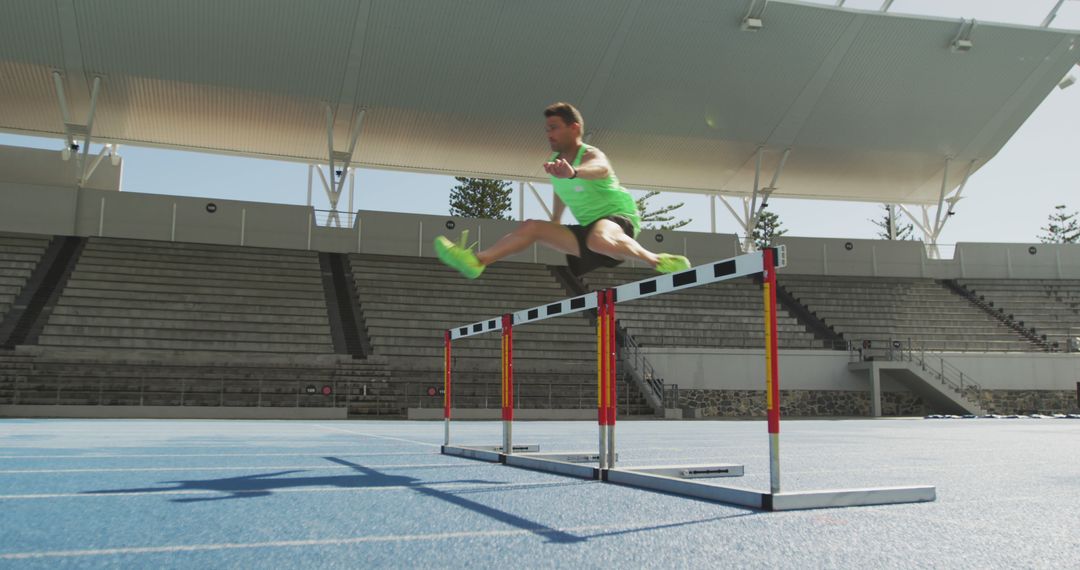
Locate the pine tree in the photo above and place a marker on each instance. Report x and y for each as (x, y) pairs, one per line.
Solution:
(1062, 227)
(767, 230)
(661, 215)
(903, 231)
(480, 198)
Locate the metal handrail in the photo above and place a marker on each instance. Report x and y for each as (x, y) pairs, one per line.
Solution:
(933, 363)
(630, 353)
(335, 218)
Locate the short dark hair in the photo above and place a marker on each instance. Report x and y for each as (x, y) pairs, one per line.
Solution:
(566, 112)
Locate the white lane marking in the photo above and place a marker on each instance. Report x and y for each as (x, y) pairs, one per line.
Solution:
(347, 541)
(249, 468)
(378, 436)
(338, 453)
(168, 492)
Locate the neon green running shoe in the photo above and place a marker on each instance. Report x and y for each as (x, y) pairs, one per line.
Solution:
(459, 255)
(671, 263)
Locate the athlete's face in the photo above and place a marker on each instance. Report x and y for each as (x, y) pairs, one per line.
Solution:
(562, 136)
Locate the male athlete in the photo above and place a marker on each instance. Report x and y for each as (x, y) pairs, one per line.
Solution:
(585, 182)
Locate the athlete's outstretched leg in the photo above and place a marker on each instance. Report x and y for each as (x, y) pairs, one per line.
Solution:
(553, 235)
(471, 265)
(608, 238)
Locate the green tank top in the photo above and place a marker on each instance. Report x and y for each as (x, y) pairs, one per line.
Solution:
(590, 200)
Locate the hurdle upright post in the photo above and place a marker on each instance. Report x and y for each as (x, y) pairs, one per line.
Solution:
(601, 375)
(446, 388)
(612, 393)
(508, 383)
(772, 366)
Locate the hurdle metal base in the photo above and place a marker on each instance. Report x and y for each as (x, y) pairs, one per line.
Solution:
(572, 464)
(489, 453)
(791, 501)
(683, 480)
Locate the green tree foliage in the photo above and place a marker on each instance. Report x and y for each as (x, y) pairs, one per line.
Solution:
(1062, 227)
(768, 228)
(662, 216)
(903, 231)
(480, 198)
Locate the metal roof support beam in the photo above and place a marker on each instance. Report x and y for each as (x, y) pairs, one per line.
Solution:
(330, 139)
(353, 138)
(109, 150)
(82, 164)
(751, 207)
(941, 197)
(332, 196)
(946, 204)
(886, 5)
(1053, 14)
(65, 113)
(540, 199)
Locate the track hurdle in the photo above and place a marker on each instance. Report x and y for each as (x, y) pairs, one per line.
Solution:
(676, 479)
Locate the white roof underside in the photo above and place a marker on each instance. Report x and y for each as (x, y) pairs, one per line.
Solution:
(678, 97)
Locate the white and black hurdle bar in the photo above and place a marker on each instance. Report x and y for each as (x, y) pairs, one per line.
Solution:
(675, 479)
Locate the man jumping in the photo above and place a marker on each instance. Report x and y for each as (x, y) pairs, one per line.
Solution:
(585, 182)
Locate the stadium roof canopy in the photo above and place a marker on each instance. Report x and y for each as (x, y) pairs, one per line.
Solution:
(680, 96)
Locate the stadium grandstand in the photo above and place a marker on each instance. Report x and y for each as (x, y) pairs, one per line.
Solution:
(117, 304)
(150, 342)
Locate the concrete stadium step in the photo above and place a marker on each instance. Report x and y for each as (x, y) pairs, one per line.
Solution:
(126, 244)
(421, 286)
(236, 300)
(194, 323)
(181, 334)
(491, 276)
(676, 328)
(88, 305)
(79, 281)
(178, 344)
(96, 259)
(202, 314)
(187, 277)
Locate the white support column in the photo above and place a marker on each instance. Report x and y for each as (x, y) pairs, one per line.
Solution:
(712, 213)
(875, 390)
(352, 197)
(891, 208)
(310, 179)
(521, 201)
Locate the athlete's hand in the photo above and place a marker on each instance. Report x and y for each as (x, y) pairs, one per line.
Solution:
(559, 168)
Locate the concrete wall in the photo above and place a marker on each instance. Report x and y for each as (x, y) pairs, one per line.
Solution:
(174, 412)
(38, 167)
(54, 209)
(713, 369)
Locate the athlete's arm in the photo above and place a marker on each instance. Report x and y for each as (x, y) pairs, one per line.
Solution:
(594, 166)
(557, 209)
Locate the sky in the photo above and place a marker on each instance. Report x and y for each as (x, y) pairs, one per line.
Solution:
(1007, 200)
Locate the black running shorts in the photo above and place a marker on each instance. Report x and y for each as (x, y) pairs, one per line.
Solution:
(589, 259)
